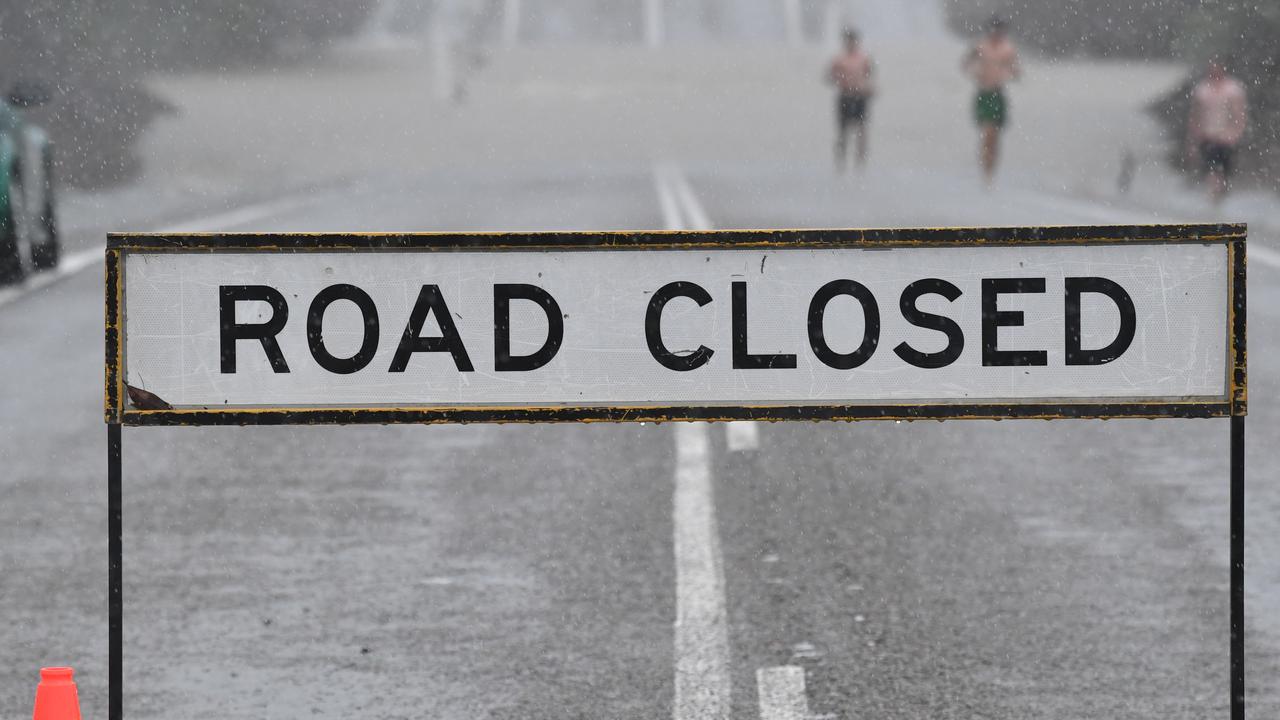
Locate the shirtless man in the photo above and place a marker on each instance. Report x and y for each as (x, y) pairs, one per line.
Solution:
(850, 72)
(1219, 117)
(993, 63)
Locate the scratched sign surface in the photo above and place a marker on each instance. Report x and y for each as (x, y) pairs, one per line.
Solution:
(605, 326)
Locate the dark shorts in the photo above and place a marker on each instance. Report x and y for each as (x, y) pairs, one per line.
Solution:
(851, 109)
(1217, 156)
(991, 108)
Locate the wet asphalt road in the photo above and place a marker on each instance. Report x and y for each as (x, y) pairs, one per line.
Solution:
(919, 570)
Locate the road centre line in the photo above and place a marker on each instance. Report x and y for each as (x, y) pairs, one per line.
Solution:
(780, 690)
(671, 182)
(74, 263)
(702, 682)
(782, 693)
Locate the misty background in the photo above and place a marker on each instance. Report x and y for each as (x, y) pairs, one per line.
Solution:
(95, 57)
(918, 571)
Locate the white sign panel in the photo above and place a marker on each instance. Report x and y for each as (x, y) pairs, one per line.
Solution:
(699, 327)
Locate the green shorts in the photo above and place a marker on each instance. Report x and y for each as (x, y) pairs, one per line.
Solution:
(991, 108)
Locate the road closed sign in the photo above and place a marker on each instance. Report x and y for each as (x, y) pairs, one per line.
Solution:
(829, 324)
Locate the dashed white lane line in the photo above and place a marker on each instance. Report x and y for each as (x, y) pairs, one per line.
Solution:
(741, 435)
(782, 693)
(702, 685)
(76, 262)
(671, 217)
(693, 211)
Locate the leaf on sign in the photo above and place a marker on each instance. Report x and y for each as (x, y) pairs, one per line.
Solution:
(144, 400)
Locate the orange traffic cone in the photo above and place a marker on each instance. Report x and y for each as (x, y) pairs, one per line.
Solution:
(56, 697)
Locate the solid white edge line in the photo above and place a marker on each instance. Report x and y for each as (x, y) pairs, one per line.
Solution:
(1093, 211)
(702, 683)
(1102, 213)
(239, 216)
(1264, 256)
(75, 262)
(68, 266)
(782, 693)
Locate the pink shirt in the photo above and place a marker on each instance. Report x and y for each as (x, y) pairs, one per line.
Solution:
(851, 73)
(1219, 111)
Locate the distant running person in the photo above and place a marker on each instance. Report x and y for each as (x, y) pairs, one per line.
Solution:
(993, 63)
(1219, 117)
(851, 73)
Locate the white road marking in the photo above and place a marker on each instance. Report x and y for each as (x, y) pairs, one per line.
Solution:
(831, 21)
(231, 219)
(792, 22)
(511, 23)
(68, 265)
(702, 635)
(72, 264)
(1264, 256)
(1104, 214)
(740, 434)
(693, 210)
(1095, 212)
(702, 682)
(654, 23)
(782, 693)
(671, 219)
(443, 75)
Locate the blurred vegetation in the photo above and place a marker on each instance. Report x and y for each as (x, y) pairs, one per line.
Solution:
(1244, 32)
(1115, 28)
(90, 54)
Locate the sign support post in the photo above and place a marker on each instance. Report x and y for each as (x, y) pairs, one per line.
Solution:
(1237, 567)
(115, 578)
(270, 393)
(115, 678)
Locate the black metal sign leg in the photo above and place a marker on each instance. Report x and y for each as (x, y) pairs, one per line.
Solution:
(1237, 567)
(115, 599)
